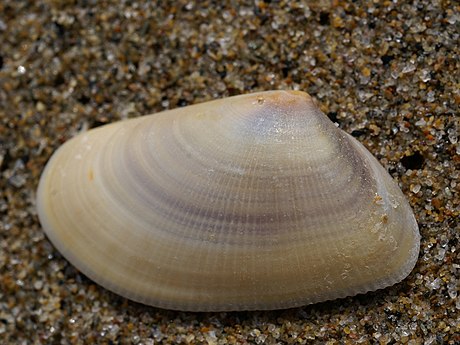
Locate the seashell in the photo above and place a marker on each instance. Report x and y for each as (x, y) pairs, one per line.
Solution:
(252, 202)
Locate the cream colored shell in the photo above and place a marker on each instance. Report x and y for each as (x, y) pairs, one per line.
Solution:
(250, 202)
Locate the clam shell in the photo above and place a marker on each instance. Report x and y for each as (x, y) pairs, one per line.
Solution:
(252, 202)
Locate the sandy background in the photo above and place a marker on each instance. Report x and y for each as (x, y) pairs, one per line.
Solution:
(386, 71)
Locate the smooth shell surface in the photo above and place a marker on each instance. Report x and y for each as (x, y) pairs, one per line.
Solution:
(252, 202)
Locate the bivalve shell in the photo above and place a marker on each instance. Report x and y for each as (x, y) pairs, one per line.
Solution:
(252, 202)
